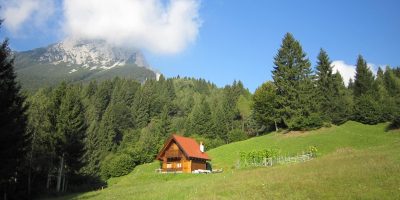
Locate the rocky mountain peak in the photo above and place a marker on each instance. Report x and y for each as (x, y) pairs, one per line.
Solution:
(93, 54)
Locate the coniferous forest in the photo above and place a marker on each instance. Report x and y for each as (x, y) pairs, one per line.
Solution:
(73, 137)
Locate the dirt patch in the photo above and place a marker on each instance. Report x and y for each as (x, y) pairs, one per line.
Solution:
(302, 133)
(345, 150)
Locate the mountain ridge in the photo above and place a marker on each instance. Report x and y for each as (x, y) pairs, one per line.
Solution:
(80, 61)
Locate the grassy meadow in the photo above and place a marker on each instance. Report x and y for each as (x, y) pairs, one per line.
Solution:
(355, 161)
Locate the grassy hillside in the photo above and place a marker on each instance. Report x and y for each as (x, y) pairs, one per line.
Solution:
(355, 162)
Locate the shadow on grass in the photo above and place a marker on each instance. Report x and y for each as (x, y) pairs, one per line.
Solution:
(395, 125)
(74, 196)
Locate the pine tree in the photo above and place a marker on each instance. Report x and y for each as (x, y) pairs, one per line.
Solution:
(71, 128)
(367, 108)
(42, 150)
(364, 79)
(391, 81)
(334, 101)
(293, 80)
(200, 119)
(342, 101)
(325, 84)
(13, 120)
(264, 99)
(165, 122)
(350, 86)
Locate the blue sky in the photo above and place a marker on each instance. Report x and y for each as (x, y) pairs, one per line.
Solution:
(237, 40)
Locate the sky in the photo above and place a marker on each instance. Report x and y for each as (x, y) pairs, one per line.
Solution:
(218, 40)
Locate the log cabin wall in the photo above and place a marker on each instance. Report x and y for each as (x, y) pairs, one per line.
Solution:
(175, 160)
(198, 164)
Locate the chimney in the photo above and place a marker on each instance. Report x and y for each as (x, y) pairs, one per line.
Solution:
(201, 147)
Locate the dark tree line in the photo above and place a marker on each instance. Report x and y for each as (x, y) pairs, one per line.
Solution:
(300, 99)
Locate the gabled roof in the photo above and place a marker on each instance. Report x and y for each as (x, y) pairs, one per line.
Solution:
(189, 147)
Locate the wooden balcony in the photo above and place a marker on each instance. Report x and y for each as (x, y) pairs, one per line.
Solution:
(173, 154)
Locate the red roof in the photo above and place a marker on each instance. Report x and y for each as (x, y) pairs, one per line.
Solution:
(188, 145)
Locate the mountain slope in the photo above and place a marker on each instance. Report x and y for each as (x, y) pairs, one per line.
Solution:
(79, 61)
(355, 161)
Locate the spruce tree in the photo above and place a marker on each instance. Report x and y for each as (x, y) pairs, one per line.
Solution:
(200, 119)
(366, 108)
(364, 79)
(13, 121)
(71, 128)
(386, 102)
(342, 101)
(264, 103)
(325, 85)
(293, 80)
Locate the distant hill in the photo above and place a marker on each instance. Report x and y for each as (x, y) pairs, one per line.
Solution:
(79, 61)
(355, 161)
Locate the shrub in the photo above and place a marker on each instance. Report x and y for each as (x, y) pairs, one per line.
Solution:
(236, 135)
(116, 165)
(312, 150)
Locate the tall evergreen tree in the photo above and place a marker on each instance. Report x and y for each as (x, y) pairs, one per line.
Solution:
(333, 98)
(342, 101)
(200, 119)
(71, 129)
(13, 120)
(364, 79)
(367, 108)
(325, 84)
(264, 99)
(42, 150)
(293, 80)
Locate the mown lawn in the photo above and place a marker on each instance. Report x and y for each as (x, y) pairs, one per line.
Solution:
(355, 162)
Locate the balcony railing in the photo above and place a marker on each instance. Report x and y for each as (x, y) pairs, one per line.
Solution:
(173, 154)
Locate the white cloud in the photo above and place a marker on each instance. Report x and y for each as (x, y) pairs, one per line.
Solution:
(21, 12)
(349, 71)
(155, 25)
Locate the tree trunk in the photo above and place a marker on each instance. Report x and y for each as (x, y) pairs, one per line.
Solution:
(242, 124)
(48, 181)
(63, 184)
(276, 126)
(66, 185)
(29, 182)
(60, 173)
(30, 163)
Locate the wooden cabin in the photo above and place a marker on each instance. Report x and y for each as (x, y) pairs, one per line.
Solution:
(182, 154)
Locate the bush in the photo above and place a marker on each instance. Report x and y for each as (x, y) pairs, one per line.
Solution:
(116, 165)
(367, 110)
(236, 135)
(395, 124)
(305, 122)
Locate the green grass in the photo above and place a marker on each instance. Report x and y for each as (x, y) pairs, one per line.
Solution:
(355, 162)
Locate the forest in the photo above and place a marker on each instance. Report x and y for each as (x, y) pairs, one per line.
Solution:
(73, 137)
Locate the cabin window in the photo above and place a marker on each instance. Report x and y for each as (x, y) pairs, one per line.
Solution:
(179, 165)
(169, 165)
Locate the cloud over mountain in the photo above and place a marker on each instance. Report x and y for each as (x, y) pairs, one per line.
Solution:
(160, 26)
(26, 13)
(152, 25)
